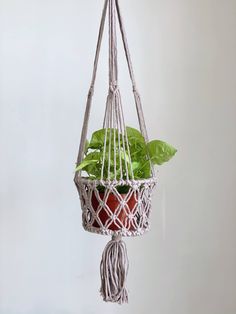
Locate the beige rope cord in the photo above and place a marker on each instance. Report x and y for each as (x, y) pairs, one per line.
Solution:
(130, 212)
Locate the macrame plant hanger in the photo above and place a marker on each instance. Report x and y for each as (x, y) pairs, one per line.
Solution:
(130, 217)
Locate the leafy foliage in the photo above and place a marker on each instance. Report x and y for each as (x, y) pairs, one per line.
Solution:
(142, 154)
(160, 152)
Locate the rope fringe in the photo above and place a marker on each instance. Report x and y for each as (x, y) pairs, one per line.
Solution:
(114, 269)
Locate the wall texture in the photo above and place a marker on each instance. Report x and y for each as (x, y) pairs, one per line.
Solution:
(184, 56)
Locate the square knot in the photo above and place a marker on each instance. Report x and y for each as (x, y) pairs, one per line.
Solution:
(113, 88)
(144, 215)
(139, 201)
(135, 187)
(104, 230)
(131, 216)
(113, 217)
(123, 203)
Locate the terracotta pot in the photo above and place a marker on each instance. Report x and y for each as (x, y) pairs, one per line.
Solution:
(113, 202)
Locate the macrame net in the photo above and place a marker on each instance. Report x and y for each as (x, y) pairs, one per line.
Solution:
(106, 209)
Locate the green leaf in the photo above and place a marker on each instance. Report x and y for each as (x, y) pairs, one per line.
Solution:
(135, 165)
(138, 153)
(85, 163)
(91, 158)
(124, 156)
(135, 138)
(93, 170)
(123, 189)
(137, 144)
(134, 134)
(160, 151)
(143, 171)
(98, 138)
(139, 163)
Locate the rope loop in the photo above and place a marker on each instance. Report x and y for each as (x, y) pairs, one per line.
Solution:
(113, 88)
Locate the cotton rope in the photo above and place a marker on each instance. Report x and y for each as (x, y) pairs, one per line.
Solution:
(130, 215)
(114, 268)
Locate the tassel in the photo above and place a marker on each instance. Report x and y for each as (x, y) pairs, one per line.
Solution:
(114, 268)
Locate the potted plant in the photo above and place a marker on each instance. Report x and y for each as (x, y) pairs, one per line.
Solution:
(106, 158)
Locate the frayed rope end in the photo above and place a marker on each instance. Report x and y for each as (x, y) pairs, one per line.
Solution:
(114, 269)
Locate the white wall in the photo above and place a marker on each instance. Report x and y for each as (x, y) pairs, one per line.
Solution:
(184, 56)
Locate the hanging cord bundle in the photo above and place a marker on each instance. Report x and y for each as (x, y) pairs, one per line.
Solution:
(107, 210)
(114, 268)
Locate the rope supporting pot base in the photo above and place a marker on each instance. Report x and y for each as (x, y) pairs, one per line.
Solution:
(111, 212)
(115, 202)
(114, 269)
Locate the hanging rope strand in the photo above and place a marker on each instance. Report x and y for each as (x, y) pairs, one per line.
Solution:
(125, 43)
(91, 90)
(113, 73)
(131, 72)
(137, 97)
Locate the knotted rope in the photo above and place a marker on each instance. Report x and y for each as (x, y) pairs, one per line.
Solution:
(114, 9)
(128, 214)
(114, 268)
